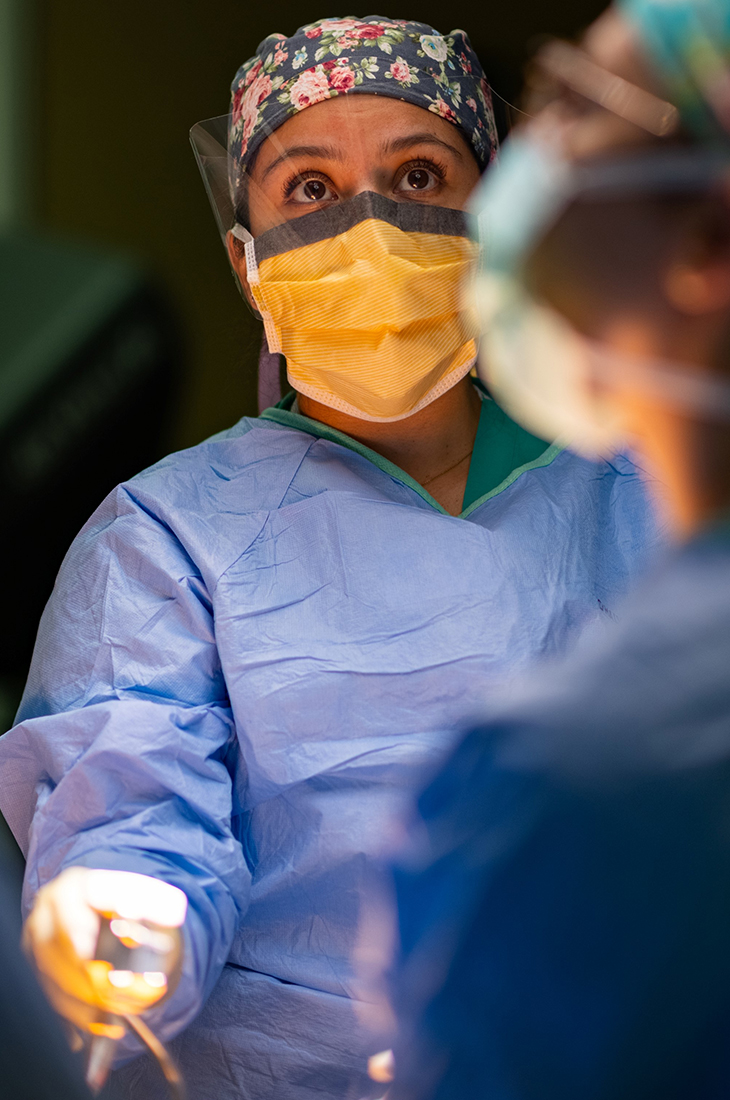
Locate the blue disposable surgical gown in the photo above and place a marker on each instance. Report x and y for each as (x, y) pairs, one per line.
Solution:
(565, 912)
(252, 652)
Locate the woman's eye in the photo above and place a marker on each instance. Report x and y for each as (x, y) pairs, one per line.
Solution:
(311, 191)
(417, 179)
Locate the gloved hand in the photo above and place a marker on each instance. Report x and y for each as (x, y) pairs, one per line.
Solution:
(106, 942)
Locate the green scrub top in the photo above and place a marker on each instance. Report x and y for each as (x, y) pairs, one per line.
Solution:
(502, 450)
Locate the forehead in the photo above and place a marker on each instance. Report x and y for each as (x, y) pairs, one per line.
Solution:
(361, 124)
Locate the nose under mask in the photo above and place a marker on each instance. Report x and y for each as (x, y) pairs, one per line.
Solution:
(366, 300)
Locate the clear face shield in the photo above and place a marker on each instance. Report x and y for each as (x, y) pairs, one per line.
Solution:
(347, 235)
(548, 374)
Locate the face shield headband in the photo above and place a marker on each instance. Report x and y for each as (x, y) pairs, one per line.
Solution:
(547, 375)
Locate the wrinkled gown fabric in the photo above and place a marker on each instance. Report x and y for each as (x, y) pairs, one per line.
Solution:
(252, 652)
(572, 894)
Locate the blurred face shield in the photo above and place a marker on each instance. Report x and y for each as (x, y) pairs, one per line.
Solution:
(347, 235)
(549, 374)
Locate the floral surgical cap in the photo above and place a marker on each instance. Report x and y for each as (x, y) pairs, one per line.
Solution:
(387, 57)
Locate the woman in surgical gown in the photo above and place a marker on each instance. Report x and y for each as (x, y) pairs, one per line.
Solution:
(256, 647)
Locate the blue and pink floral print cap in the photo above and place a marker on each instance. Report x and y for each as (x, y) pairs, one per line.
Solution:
(387, 57)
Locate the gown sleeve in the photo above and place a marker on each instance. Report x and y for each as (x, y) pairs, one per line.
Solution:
(123, 752)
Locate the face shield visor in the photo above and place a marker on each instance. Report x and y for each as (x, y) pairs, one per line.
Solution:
(347, 235)
(548, 375)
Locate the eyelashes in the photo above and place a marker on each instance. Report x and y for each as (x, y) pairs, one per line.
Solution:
(437, 168)
(302, 177)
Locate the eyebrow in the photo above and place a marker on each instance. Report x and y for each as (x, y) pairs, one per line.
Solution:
(396, 145)
(422, 137)
(326, 152)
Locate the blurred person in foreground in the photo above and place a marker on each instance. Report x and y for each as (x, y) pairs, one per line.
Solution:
(564, 906)
(254, 648)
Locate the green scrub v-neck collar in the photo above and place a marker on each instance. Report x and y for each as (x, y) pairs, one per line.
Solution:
(501, 448)
(502, 451)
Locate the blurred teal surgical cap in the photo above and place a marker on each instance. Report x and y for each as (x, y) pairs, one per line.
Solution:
(688, 43)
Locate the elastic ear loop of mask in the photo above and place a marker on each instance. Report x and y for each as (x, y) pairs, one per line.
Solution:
(252, 275)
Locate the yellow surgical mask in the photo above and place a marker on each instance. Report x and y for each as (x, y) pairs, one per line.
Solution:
(366, 302)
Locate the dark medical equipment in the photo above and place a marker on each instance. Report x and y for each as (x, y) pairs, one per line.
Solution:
(89, 359)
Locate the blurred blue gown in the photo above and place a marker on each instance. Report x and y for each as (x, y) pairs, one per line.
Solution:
(565, 921)
(252, 651)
